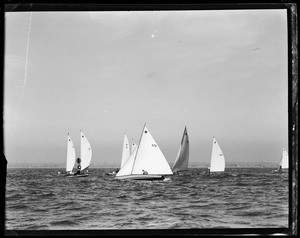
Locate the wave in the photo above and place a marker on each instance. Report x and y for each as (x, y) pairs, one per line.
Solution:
(250, 198)
(64, 223)
(37, 227)
(18, 206)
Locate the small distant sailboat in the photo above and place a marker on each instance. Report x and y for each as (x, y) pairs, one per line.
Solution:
(126, 150)
(182, 159)
(217, 162)
(284, 162)
(84, 162)
(146, 162)
(125, 154)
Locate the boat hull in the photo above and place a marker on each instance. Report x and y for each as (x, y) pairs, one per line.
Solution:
(111, 174)
(281, 171)
(141, 177)
(77, 175)
(180, 172)
(216, 172)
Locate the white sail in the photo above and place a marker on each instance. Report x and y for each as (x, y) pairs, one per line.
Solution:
(217, 162)
(181, 161)
(133, 145)
(126, 150)
(71, 156)
(147, 156)
(284, 163)
(86, 152)
(127, 166)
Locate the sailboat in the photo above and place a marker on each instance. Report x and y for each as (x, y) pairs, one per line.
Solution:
(84, 162)
(284, 162)
(217, 162)
(146, 162)
(182, 159)
(125, 154)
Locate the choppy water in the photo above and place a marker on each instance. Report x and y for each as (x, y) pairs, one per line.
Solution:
(39, 199)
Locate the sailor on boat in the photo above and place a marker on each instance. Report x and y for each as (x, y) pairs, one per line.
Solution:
(115, 172)
(144, 172)
(78, 169)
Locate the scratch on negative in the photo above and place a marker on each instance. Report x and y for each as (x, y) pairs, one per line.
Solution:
(27, 51)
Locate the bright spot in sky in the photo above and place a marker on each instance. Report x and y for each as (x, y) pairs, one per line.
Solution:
(152, 35)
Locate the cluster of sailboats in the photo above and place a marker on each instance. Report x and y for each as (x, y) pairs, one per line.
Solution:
(145, 160)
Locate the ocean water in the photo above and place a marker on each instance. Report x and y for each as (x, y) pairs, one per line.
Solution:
(40, 199)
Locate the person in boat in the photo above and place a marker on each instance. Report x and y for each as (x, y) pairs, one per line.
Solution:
(208, 170)
(78, 170)
(280, 169)
(145, 172)
(115, 172)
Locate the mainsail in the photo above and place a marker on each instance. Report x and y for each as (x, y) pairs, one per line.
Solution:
(217, 162)
(126, 150)
(181, 161)
(284, 163)
(147, 156)
(86, 152)
(71, 156)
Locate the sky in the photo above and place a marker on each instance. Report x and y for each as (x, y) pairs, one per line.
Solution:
(220, 73)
